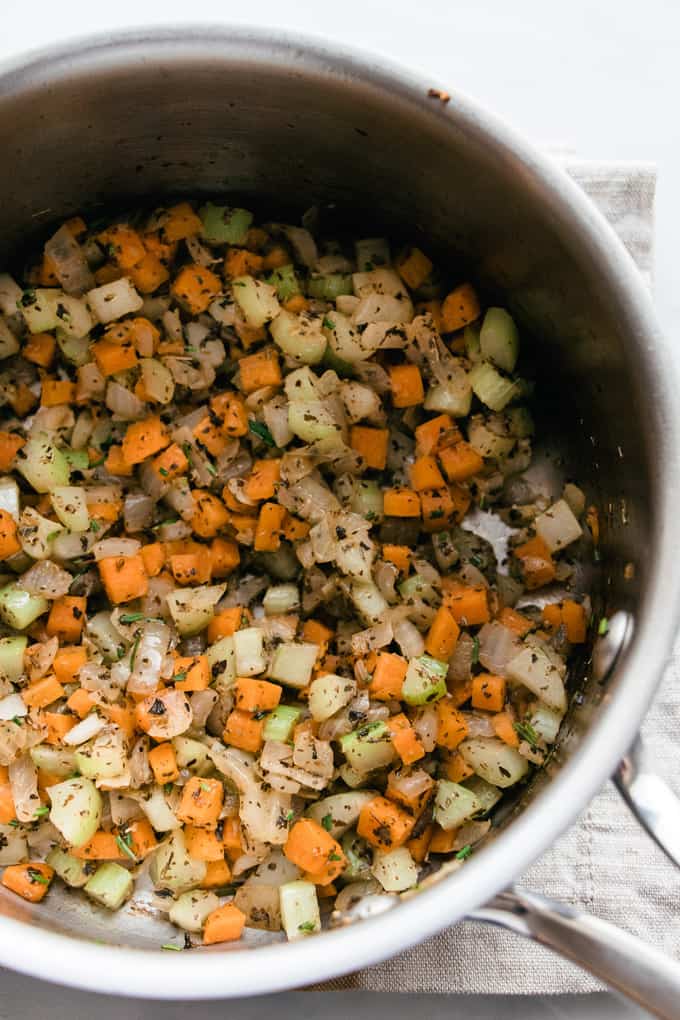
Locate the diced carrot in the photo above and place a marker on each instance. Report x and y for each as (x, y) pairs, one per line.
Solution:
(268, 530)
(112, 358)
(195, 287)
(124, 577)
(468, 606)
(203, 844)
(116, 463)
(210, 437)
(8, 811)
(401, 503)
(504, 728)
(263, 480)
(57, 725)
(258, 370)
(314, 850)
(144, 438)
(224, 925)
(140, 837)
(383, 824)
(405, 739)
(296, 303)
(67, 618)
(488, 692)
(201, 802)
(425, 474)
(43, 692)
(251, 695)
(460, 307)
(414, 267)
(67, 663)
(149, 274)
(388, 677)
(455, 768)
(442, 636)
(400, 555)
(39, 348)
(9, 543)
(10, 443)
(144, 336)
(429, 434)
(514, 621)
(371, 444)
(460, 462)
(574, 620)
(102, 847)
(123, 716)
(108, 273)
(551, 616)
(536, 563)
(276, 257)
(44, 274)
(317, 633)
(243, 731)
(293, 529)
(460, 692)
(217, 874)
(55, 392)
(163, 762)
(225, 623)
(30, 881)
(180, 222)
(443, 840)
(123, 244)
(192, 568)
(438, 509)
(171, 463)
(452, 728)
(224, 557)
(241, 262)
(419, 845)
(80, 702)
(407, 385)
(191, 673)
(210, 514)
(105, 511)
(432, 308)
(153, 557)
(231, 410)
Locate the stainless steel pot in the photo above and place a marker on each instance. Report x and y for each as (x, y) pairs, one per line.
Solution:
(284, 120)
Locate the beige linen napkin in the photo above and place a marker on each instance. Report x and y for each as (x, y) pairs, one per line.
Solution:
(605, 864)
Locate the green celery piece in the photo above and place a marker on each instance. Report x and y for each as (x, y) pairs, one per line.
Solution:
(224, 225)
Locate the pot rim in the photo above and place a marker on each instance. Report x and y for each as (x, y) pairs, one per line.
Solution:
(118, 970)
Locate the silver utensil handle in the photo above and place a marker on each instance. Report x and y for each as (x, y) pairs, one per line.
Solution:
(641, 973)
(651, 800)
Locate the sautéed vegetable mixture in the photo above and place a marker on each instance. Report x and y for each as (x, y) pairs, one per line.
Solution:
(255, 663)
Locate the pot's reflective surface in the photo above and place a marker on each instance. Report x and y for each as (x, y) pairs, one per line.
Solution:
(294, 125)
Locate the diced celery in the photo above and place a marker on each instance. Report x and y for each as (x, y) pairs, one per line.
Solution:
(78, 460)
(328, 694)
(416, 587)
(494, 760)
(75, 321)
(192, 754)
(487, 794)
(331, 360)
(192, 609)
(299, 909)
(104, 757)
(280, 599)
(369, 601)
(491, 387)
(328, 286)
(12, 657)
(70, 507)
(339, 812)
(18, 609)
(281, 722)
(312, 421)
(395, 870)
(224, 225)
(190, 910)
(369, 747)
(172, 868)
(70, 870)
(76, 809)
(105, 636)
(39, 309)
(43, 465)
(533, 668)
(454, 804)
(292, 663)
(371, 252)
(114, 300)
(256, 299)
(346, 342)
(9, 497)
(249, 651)
(545, 722)
(452, 397)
(57, 761)
(74, 349)
(158, 811)
(359, 856)
(222, 661)
(299, 336)
(425, 681)
(285, 281)
(110, 885)
(367, 499)
(13, 845)
(499, 339)
(302, 384)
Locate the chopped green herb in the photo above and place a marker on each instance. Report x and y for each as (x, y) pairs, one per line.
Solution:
(436, 514)
(14, 823)
(131, 617)
(464, 853)
(133, 654)
(182, 675)
(168, 520)
(307, 926)
(205, 787)
(327, 822)
(476, 561)
(475, 651)
(169, 945)
(37, 876)
(188, 451)
(210, 467)
(290, 816)
(164, 472)
(327, 324)
(52, 535)
(17, 720)
(95, 526)
(167, 787)
(41, 811)
(526, 731)
(261, 430)
(225, 890)
(334, 857)
(125, 848)
(603, 626)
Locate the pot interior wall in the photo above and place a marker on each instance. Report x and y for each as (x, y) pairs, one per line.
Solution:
(267, 128)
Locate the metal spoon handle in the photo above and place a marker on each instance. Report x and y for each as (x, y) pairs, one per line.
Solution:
(641, 973)
(651, 800)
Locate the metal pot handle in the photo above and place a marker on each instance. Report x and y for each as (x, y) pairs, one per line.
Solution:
(651, 800)
(623, 961)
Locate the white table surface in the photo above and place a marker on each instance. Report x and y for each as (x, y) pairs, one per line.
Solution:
(599, 76)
